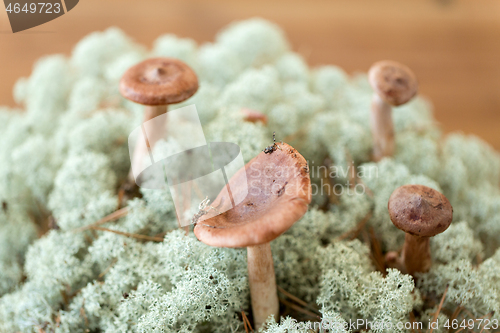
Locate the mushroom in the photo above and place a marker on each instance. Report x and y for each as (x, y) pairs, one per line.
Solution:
(156, 83)
(421, 212)
(394, 84)
(279, 192)
(253, 116)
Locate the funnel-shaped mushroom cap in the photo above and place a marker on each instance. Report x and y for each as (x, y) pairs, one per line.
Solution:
(420, 210)
(279, 192)
(159, 81)
(395, 83)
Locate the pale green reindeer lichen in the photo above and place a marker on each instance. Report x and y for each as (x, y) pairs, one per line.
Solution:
(66, 157)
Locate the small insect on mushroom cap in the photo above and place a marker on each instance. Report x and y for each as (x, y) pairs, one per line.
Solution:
(273, 147)
(277, 191)
(420, 210)
(393, 82)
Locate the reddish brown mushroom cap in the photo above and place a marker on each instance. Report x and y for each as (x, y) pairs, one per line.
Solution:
(395, 83)
(420, 210)
(159, 81)
(253, 116)
(279, 192)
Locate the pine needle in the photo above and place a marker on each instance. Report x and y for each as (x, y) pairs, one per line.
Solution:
(64, 297)
(489, 316)
(107, 268)
(367, 189)
(128, 234)
(84, 315)
(351, 170)
(412, 320)
(376, 253)
(295, 299)
(439, 308)
(333, 198)
(246, 321)
(455, 313)
(299, 309)
(353, 233)
(121, 195)
(470, 314)
(161, 234)
(111, 217)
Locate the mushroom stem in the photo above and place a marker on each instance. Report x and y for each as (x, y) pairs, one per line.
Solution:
(416, 254)
(394, 84)
(156, 128)
(152, 111)
(421, 212)
(263, 292)
(270, 205)
(253, 116)
(156, 132)
(382, 128)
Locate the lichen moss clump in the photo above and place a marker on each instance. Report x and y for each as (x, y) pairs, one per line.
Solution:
(64, 158)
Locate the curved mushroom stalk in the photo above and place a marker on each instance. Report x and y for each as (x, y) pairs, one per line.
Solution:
(421, 212)
(156, 83)
(279, 192)
(394, 84)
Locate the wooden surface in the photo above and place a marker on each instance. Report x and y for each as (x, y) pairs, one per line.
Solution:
(453, 46)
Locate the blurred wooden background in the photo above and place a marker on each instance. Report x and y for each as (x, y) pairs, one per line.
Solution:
(453, 46)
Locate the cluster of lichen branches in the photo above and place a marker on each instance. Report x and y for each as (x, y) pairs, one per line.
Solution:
(63, 161)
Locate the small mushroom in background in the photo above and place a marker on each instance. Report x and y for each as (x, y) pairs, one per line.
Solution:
(253, 116)
(279, 192)
(394, 84)
(421, 212)
(156, 83)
